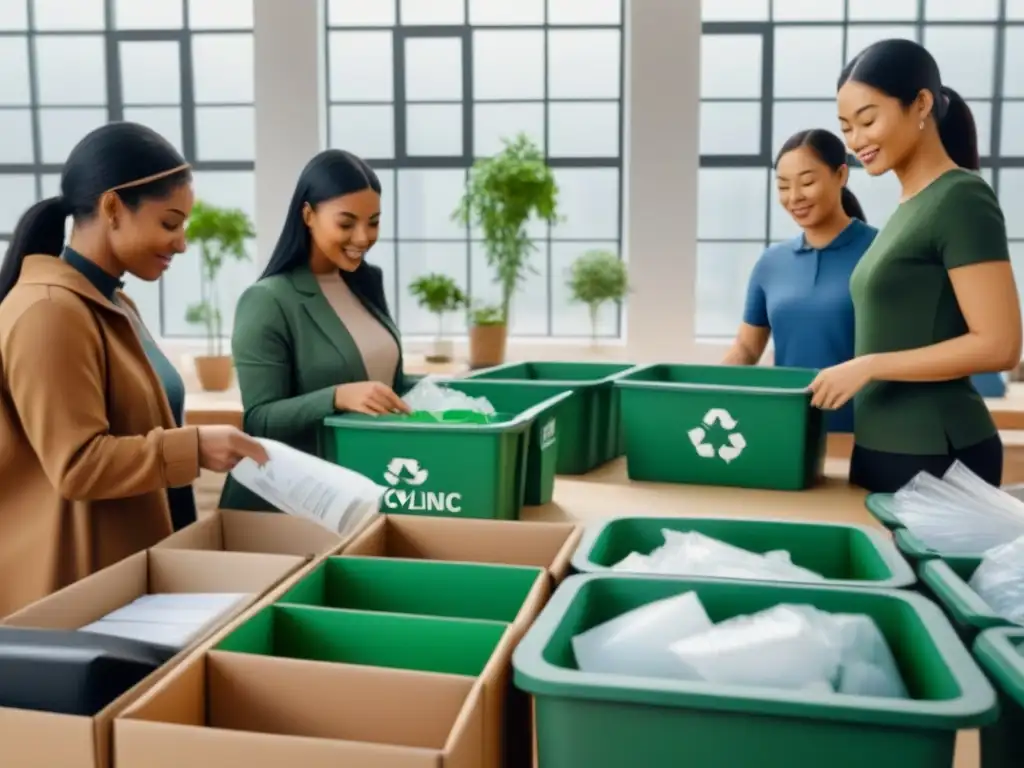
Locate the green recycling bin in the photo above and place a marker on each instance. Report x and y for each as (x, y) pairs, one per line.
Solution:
(948, 582)
(452, 464)
(1000, 652)
(417, 587)
(588, 422)
(610, 721)
(845, 555)
(738, 426)
(419, 643)
(883, 508)
(542, 453)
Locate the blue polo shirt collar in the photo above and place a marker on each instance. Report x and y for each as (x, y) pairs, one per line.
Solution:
(843, 238)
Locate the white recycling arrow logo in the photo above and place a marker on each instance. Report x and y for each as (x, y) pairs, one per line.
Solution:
(405, 470)
(728, 452)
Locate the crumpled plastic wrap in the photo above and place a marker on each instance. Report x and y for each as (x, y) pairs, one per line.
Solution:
(691, 553)
(430, 395)
(959, 514)
(999, 580)
(791, 647)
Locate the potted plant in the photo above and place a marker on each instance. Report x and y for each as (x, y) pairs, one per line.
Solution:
(221, 234)
(503, 193)
(438, 294)
(596, 278)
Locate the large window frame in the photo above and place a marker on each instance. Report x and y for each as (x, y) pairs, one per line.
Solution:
(44, 172)
(993, 163)
(402, 161)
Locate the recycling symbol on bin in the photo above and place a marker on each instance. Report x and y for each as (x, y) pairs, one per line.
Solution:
(405, 470)
(727, 452)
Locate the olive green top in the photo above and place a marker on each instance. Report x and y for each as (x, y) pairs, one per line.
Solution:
(903, 299)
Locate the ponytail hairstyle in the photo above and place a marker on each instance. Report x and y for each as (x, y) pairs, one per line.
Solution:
(902, 69)
(131, 160)
(831, 151)
(330, 174)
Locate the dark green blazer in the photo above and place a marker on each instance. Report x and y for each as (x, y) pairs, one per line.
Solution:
(291, 351)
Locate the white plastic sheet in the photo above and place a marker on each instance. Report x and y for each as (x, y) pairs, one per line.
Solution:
(999, 580)
(959, 514)
(306, 486)
(691, 553)
(430, 394)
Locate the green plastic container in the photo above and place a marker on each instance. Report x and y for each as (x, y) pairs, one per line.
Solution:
(607, 721)
(448, 465)
(542, 453)
(846, 555)
(739, 426)
(880, 505)
(947, 580)
(1001, 654)
(588, 422)
(418, 587)
(398, 641)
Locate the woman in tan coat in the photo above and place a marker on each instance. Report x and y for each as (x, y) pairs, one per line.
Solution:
(95, 464)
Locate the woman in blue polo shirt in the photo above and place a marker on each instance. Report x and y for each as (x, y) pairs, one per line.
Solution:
(799, 290)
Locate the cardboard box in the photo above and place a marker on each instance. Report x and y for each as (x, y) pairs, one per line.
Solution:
(223, 709)
(31, 739)
(272, 533)
(544, 545)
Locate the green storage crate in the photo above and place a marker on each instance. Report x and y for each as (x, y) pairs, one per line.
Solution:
(881, 506)
(607, 721)
(398, 641)
(542, 454)
(417, 587)
(846, 555)
(454, 464)
(947, 581)
(1001, 654)
(588, 422)
(739, 426)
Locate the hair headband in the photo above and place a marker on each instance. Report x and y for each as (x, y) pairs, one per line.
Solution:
(66, 206)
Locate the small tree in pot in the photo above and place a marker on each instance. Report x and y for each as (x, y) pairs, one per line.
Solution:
(438, 294)
(596, 278)
(221, 234)
(502, 195)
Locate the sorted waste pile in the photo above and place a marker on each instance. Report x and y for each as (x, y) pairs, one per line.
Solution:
(693, 554)
(999, 580)
(793, 647)
(430, 396)
(959, 513)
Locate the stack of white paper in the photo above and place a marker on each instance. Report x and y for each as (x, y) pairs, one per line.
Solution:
(170, 620)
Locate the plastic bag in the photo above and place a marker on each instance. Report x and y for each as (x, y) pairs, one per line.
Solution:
(999, 580)
(782, 647)
(692, 553)
(960, 514)
(430, 395)
(867, 666)
(306, 486)
(637, 642)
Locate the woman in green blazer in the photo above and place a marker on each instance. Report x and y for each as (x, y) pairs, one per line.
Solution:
(313, 336)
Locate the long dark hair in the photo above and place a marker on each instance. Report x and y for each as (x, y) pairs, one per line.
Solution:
(108, 158)
(831, 151)
(902, 69)
(330, 174)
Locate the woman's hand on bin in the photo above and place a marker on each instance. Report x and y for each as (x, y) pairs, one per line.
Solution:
(834, 387)
(222, 447)
(370, 397)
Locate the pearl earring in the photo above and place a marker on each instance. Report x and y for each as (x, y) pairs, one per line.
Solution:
(920, 126)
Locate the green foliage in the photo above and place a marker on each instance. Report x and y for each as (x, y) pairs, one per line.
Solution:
(221, 234)
(486, 314)
(502, 195)
(438, 294)
(597, 277)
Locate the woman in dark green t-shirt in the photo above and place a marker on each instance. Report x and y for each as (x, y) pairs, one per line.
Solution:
(934, 297)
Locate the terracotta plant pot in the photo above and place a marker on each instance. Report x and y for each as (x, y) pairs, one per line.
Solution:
(214, 372)
(487, 345)
(443, 350)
